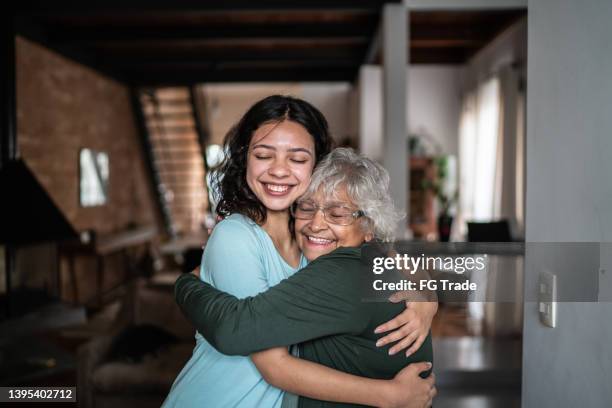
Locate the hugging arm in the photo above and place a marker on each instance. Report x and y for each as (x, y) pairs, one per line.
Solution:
(317, 301)
(312, 380)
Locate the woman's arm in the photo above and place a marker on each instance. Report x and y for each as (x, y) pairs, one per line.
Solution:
(308, 379)
(410, 328)
(320, 300)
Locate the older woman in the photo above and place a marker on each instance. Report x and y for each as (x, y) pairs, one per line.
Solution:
(346, 205)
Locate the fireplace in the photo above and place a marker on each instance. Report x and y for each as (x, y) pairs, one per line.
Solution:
(32, 225)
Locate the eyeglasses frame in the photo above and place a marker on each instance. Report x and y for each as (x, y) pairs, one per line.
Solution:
(355, 214)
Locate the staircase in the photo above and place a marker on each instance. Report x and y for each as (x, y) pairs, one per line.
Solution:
(176, 158)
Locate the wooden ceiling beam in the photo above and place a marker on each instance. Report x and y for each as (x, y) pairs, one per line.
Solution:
(182, 77)
(157, 7)
(446, 43)
(451, 32)
(139, 56)
(223, 66)
(213, 18)
(450, 56)
(80, 36)
(245, 44)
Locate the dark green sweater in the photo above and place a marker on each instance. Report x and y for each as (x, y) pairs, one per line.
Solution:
(320, 307)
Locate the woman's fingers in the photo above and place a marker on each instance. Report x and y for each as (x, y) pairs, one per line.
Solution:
(398, 334)
(416, 345)
(401, 296)
(401, 345)
(431, 391)
(432, 394)
(401, 319)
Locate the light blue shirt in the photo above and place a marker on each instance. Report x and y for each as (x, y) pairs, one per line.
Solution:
(241, 259)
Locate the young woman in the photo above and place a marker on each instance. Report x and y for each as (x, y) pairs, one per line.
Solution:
(271, 153)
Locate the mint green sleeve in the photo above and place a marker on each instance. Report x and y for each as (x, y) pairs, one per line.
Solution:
(232, 260)
(320, 300)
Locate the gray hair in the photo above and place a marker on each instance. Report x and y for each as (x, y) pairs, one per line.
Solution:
(367, 185)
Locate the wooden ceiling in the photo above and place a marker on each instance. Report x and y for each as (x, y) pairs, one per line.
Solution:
(184, 42)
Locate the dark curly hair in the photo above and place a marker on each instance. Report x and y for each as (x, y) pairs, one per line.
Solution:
(229, 185)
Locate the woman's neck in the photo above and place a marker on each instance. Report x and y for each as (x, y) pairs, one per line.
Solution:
(277, 227)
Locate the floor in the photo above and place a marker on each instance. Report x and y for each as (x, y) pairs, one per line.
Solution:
(471, 371)
(39, 349)
(474, 371)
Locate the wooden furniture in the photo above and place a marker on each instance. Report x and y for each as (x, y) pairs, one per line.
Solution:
(104, 382)
(422, 220)
(100, 248)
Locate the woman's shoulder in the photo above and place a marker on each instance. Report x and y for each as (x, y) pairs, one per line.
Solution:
(236, 220)
(235, 230)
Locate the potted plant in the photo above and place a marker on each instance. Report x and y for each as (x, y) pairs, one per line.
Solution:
(440, 186)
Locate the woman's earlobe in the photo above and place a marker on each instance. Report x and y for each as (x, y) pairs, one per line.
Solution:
(368, 237)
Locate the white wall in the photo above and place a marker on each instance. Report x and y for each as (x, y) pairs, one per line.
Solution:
(333, 99)
(226, 103)
(434, 106)
(569, 194)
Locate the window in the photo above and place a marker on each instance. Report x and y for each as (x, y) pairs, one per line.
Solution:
(94, 172)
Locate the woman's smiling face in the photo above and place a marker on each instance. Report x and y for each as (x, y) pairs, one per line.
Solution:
(279, 163)
(317, 236)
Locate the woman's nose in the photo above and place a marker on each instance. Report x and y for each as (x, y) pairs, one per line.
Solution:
(318, 222)
(279, 169)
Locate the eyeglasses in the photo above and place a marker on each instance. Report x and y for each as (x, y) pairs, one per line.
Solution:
(335, 214)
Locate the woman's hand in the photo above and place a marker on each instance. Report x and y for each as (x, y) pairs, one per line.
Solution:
(408, 390)
(411, 327)
(308, 379)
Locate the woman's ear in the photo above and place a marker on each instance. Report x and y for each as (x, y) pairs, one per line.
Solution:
(368, 237)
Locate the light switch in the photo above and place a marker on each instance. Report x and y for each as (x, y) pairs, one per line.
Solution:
(548, 298)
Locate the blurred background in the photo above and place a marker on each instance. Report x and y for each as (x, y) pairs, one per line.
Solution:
(114, 114)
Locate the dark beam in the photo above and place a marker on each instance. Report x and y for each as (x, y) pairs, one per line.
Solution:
(212, 18)
(131, 56)
(189, 77)
(450, 56)
(252, 44)
(472, 32)
(235, 65)
(95, 34)
(164, 6)
(446, 43)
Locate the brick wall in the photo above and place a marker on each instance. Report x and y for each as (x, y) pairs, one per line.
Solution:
(62, 107)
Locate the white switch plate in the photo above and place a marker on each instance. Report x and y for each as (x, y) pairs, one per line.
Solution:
(547, 295)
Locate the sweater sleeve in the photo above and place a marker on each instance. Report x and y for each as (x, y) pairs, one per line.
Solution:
(243, 275)
(320, 300)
